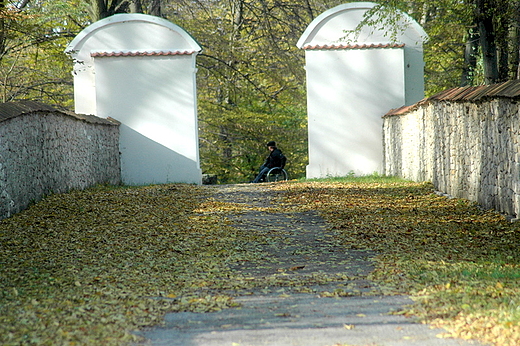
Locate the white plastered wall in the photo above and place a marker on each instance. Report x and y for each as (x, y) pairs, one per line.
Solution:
(352, 81)
(344, 126)
(140, 70)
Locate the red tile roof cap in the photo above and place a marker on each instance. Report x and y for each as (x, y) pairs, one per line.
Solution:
(354, 46)
(141, 53)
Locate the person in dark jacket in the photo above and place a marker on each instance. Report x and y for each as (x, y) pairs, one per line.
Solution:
(273, 160)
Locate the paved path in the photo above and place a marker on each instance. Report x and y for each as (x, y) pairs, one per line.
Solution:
(298, 248)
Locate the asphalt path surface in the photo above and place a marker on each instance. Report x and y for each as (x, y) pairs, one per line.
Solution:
(299, 246)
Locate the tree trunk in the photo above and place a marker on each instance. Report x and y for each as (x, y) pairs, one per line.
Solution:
(2, 29)
(308, 8)
(470, 58)
(502, 25)
(155, 8)
(227, 152)
(135, 6)
(484, 18)
(515, 43)
(100, 9)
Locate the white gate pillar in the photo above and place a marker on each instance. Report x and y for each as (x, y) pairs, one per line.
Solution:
(140, 70)
(352, 81)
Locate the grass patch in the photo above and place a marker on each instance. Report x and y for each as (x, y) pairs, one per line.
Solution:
(492, 271)
(352, 178)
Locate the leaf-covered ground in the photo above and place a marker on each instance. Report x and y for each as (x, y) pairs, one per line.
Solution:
(89, 267)
(460, 263)
(85, 268)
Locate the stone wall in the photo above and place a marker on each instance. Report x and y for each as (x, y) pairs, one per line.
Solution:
(465, 141)
(43, 151)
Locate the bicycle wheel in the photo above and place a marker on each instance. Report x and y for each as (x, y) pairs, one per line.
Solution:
(276, 174)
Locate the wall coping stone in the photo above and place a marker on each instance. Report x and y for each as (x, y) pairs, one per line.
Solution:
(509, 89)
(9, 110)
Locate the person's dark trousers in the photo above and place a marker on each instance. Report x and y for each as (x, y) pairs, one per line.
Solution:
(263, 171)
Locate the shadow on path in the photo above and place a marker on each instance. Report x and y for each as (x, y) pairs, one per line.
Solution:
(327, 300)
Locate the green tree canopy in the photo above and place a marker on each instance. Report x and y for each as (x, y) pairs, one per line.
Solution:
(472, 42)
(251, 80)
(33, 35)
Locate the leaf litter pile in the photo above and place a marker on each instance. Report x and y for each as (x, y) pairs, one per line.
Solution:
(88, 267)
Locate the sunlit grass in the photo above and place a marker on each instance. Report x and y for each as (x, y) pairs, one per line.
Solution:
(352, 178)
(493, 271)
